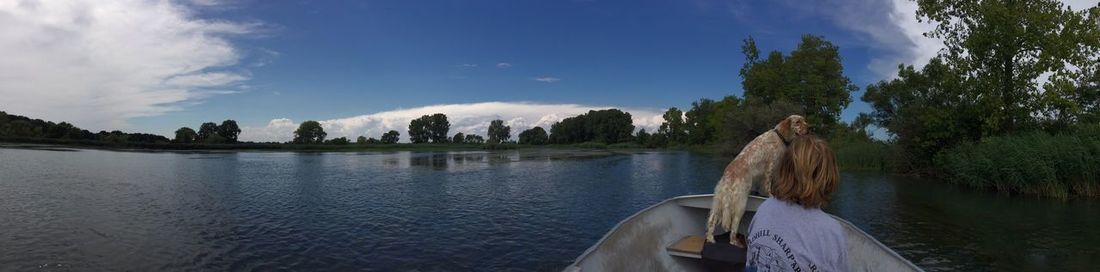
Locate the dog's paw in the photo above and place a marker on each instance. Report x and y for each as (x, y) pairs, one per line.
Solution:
(737, 243)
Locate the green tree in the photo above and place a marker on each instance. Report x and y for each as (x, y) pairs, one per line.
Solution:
(926, 111)
(1001, 48)
(186, 135)
(606, 126)
(458, 138)
(673, 128)
(700, 127)
(642, 137)
(338, 141)
(117, 137)
(570, 130)
(474, 139)
(723, 110)
(438, 127)
(361, 140)
(309, 132)
(206, 130)
(419, 130)
(811, 77)
(391, 137)
(534, 136)
(498, 132)
(229, 130)
(610, 126)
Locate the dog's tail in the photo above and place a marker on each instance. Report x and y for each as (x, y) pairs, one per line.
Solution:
(728, 205)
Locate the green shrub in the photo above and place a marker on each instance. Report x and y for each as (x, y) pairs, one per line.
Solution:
(1030, 163)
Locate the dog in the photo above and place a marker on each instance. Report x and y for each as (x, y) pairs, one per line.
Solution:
(754, 167)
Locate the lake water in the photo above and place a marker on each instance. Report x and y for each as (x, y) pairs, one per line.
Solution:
(497, 211)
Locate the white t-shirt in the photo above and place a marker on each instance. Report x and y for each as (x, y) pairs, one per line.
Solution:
(784, 236)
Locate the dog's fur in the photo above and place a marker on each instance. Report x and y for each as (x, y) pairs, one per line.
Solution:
(754, 166)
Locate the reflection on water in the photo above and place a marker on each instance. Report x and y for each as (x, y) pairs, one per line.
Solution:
(477, 210)
(946, 228)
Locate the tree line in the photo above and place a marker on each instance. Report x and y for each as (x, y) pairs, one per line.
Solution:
(17, 127)
(209, 133)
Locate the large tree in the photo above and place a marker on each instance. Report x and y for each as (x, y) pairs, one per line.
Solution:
(1003, 47)
(498, 132)
(699, 125)
(474, 139)
(673, 128)
(419, 130)
(429, 128)
(438, 128)
(811, 77)
(459, 138)
(229, 130)
(186, 135)
(925, 110)
(606, 126)
(534, 136)
(207, 130)
(309, 132)
(391, 137)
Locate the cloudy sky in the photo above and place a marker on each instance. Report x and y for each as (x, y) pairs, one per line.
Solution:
(363, 67)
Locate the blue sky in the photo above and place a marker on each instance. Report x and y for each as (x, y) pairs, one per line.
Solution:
(261, 61)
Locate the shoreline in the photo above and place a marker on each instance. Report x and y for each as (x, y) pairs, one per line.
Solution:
(62, 145)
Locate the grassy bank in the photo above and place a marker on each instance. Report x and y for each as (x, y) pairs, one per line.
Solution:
(865, 155)
(1037, 163)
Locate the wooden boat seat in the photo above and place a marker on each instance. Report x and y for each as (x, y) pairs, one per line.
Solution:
(718, 254)
(690, 247)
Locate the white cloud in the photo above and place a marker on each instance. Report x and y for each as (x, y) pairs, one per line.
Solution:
(504, 65)
(547, 79)
(890, 26)
(469, 65)
(99, 63)
(466, 118)
(916, 50)
(1078, 5)
(208, 2)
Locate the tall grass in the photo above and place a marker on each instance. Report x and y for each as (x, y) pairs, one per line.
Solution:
(865, 155)
(1031, 163)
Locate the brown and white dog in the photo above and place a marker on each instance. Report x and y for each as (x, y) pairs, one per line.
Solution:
(754, 166)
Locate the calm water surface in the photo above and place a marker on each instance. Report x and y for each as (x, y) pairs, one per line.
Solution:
(497, 211)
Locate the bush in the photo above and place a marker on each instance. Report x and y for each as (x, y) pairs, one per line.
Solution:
(1030, 163)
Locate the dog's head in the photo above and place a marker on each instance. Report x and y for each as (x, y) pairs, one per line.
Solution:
(792, 126)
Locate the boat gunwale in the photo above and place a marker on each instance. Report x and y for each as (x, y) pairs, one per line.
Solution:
(574, 266)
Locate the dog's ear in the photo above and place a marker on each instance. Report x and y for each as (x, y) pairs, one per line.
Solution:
(784, 127)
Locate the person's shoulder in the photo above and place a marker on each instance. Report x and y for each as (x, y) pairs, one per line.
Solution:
(831, 227)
